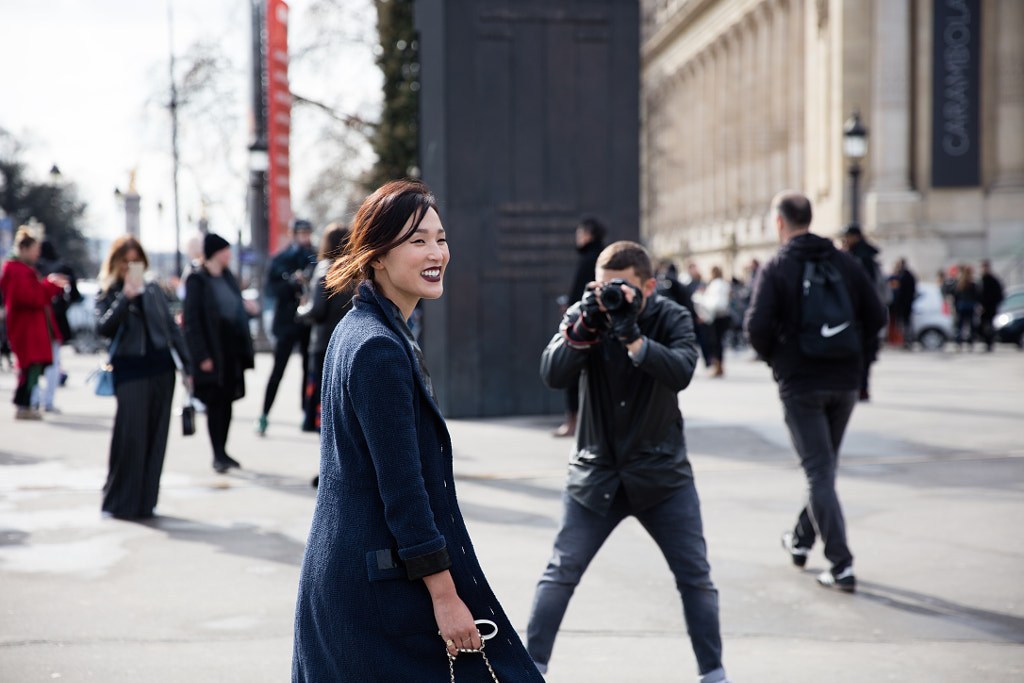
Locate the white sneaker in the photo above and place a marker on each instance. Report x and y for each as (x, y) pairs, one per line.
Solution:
(844, 580)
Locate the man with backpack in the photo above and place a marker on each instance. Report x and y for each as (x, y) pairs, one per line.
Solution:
(811, 310)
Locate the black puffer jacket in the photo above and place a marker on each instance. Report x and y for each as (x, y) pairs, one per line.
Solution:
(630, 430)
(773, 317)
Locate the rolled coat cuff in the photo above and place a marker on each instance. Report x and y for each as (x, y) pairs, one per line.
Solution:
(425, 559)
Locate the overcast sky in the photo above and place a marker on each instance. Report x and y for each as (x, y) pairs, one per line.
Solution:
(81, 85)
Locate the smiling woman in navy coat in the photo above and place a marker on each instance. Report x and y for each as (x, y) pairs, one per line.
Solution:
(388, 561)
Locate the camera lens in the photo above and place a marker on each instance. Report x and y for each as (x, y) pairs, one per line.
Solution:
(612, 297)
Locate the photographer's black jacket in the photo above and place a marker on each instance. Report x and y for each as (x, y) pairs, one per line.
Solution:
(630, 430)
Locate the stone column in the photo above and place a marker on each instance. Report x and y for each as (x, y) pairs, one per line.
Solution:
(889, 117)
(796, 57)
(890, 203)
(1009, 64)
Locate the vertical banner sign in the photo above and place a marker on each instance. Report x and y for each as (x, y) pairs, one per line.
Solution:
(279, 124)
(956, 85)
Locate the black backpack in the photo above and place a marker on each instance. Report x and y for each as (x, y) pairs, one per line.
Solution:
(828, 327)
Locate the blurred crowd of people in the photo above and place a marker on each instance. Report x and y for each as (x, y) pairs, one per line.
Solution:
(195, 328)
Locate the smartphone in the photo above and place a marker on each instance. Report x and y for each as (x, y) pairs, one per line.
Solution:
(136, 269)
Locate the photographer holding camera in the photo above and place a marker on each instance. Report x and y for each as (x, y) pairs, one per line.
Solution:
(634, 351)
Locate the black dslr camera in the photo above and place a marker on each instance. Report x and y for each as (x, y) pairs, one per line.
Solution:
(613, 298)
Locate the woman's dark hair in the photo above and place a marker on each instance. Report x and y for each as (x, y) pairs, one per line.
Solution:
(333, 242)
(378, 228)
(595, 228)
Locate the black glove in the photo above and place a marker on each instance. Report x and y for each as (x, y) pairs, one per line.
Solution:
(587, 328)
(624, 318)
(591, 314)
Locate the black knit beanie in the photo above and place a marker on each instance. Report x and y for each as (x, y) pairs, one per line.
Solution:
(213, 243)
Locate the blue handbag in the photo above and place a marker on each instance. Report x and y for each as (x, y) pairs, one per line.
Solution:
(104, 375)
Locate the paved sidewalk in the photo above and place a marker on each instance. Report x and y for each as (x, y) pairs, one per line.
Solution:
(932, 484)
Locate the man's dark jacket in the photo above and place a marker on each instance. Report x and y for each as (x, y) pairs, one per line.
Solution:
(630, 430)
(285, 290)
(773, 318)
(991, 294)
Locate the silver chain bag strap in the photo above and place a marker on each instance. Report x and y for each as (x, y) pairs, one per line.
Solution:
(483, 641)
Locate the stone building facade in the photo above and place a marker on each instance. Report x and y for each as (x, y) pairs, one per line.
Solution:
(743, 98)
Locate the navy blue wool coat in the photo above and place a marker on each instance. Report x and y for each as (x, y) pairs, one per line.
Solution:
(386, 513)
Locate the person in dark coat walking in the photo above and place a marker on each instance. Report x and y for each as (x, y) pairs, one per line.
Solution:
(903, 301)
(991, 297)
(630, 454)
(966, 298)
(135, 314)
(818, 394)
(390, 585)
(866, 254)
(590, 236)
(31, 327)
(322, 312)
(287, 283)
(217, 331)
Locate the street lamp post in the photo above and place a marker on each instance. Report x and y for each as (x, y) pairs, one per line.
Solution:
(855, 147)
(258, 164)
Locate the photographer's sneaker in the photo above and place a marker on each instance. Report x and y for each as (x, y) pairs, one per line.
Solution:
(796, 553)
(844, 580)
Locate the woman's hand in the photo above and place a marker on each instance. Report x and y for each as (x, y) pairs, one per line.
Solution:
(206, 365)
(453, 617)
(58, 279)
(131, 290)
(252, 307)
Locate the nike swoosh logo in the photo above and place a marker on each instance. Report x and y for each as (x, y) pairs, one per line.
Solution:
(827, 331)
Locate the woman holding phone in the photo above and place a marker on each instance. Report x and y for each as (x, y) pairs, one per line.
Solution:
(390, 580)
(134, 314)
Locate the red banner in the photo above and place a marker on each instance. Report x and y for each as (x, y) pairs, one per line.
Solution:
(279, 125)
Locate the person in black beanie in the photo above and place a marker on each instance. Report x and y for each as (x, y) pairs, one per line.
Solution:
(217, 332)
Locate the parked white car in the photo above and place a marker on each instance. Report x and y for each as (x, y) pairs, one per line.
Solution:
(932, 319)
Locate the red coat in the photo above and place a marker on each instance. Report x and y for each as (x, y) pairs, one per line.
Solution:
(27, 301)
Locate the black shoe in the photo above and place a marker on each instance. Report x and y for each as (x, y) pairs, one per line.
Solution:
(844, 580)
(796, 553)
(230, 462)
(220, 467)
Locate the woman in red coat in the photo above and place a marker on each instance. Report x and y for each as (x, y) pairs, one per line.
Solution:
(31, 327)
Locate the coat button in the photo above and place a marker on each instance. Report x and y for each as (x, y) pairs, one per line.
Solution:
(607, 496)
(622, 404)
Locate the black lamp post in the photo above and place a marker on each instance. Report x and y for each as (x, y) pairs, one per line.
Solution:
(855, 147)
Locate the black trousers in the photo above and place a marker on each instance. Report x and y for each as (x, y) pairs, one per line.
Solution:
(138, 445)
(817, 421)
(282, 352)
(28, 377)
(218, 401)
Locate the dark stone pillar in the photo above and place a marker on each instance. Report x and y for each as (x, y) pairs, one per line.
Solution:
(529, 120)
